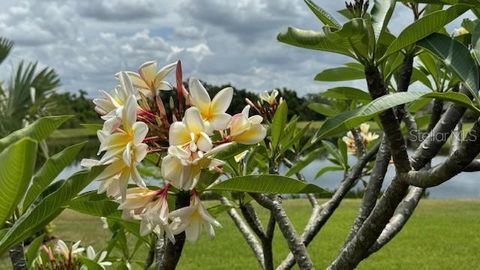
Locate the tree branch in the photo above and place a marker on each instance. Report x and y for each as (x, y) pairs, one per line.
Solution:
(322, 213)
(453, 165)
(174, 251)
(246, 232)
(311, 197)
(391, 126)
(295, 243)
(17, 257)
(403, 212)
(374, 185)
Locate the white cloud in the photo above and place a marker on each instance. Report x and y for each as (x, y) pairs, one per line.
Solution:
(87, 42)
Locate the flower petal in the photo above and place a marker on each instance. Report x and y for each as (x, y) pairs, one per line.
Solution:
(137, 80)
(193, 120)
(148, 71)
(204, 143)
(140, 130)
(222, 100)
(129, 113)
(178, 134)
(220, 121)
(199, 95)
(253, 135)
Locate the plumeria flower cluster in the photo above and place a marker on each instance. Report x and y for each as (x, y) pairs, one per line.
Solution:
(60, 255)
(365, 134)
(183, 136)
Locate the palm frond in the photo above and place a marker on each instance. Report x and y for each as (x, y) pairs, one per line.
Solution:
(5, 48)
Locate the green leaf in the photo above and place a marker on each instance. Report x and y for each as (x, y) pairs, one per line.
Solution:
(419, 76)
(50, 170)
(278, 123)
(231, 151)
(424, 27)
(324, 109)
(456, 56)
(326, 169)
(474, 3)
(275, 184)
(17, 163)
(322, 15)
(99, 208)
(340, 74)
(476, 41)
(38, 130)
(304, 161)
(381, 13)
(419, 104)
(333, 151)
(348, 120)
(312, 40)
(90, 264)
(347, 93)
(356, 35)
(34, 249)
(45, 210)
(216, 210)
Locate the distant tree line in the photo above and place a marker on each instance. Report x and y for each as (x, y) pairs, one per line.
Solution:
(81, 106)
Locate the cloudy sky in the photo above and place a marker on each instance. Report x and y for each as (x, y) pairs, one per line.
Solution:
(218, 41)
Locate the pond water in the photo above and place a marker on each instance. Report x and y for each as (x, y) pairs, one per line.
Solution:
(464, 185)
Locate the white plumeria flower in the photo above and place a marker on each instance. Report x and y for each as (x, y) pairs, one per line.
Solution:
(191, 132)
(182, 168)
(350, 142)
(110, 106)
(193, 219)
(366, 134)
(127, 139)
(270, 98)
(151, 206)
(67, 252)
(148, 80)
(247, 130)
(212, 111)
(116, 175)
(93, 256)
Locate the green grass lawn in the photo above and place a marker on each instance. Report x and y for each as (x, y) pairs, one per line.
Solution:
(442, 234)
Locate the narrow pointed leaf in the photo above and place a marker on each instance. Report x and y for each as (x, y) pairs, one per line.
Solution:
(456, 56)
(348, 120)
(38, 130)
(274, 184)
(381, 13)
(47, 208)
(278, 123)
(322, 15)
(17, 163)
(424, 27)
(340, 74)
(312, 40)
(50, 170)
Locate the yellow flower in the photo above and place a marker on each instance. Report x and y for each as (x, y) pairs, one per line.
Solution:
(182, 168)
(270, 98)
(460, 31)
(350, 142)
(247, 130)
(212, 111)
(193, 219)
(191, 132)
(110, 106)
(151, 207)
(148, 80)
(129, 137)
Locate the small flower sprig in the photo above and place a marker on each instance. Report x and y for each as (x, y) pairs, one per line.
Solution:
(58, 255)
(186, 135)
